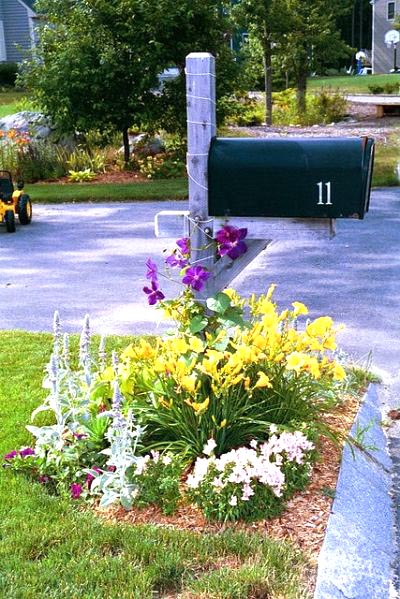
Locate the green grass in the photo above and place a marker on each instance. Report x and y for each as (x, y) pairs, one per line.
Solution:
(54, 193)
(387, 157)
(50, 549)
(10, 101)
(351, 83)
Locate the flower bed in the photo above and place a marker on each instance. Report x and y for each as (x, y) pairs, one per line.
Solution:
(225, 413)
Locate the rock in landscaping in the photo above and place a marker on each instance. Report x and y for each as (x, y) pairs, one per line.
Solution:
(36, 125)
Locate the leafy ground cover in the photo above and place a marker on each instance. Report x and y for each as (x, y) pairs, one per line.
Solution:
(351, 83)
(66, 552)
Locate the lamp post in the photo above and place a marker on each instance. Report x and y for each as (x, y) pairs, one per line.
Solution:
(392, 38)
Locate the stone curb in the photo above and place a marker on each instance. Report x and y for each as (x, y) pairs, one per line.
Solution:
(356, 559)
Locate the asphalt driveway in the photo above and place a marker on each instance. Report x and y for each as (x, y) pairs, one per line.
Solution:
(82, 259)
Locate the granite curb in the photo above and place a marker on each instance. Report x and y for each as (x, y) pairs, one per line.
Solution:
(358, 554)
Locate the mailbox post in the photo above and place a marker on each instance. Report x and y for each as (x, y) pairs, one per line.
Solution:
(277, 189)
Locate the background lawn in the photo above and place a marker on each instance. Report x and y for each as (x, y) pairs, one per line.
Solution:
(159, 189)
(351, 84)
(50, 549)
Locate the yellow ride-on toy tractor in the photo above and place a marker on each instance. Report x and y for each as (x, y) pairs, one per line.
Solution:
(13, 202)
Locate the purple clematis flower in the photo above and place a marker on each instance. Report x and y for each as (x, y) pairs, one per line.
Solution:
(184, 245)
(43, 479)
(26, 451)
(152, 273)
(230, 241)
(176, 259)
(154, 294)
(76, 490)
(11, 455)
(195, 277)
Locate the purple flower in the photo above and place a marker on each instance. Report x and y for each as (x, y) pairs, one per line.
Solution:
(154, 294)
(195, 277)
(76, 490)
(176, 259)
(230, 241)
(79, 436)
(27, 451)
(43, 479)
(90, 477)
(152, 273)
(11, 455)
(184, 245)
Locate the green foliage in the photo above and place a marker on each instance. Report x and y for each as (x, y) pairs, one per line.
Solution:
(387, 88)
(158, 479)
(322, 107)
(81, 159)
(227, 378)
(8, 73)
(81, 176)
(242, 111)
(161, 166)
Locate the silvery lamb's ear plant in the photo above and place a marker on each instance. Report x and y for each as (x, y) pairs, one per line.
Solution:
(123, 435)
(69, 391)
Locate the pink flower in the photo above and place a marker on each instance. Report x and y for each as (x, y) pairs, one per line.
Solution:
(76, 490)
(26, 451)
(11, 455)
(90, 477)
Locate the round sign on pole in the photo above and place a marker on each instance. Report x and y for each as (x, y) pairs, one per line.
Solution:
(392, 37)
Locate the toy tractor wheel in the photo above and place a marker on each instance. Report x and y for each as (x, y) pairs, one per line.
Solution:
(9, 219)
(24, 209)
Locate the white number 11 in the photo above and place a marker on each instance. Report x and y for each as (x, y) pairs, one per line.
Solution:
(320, 186)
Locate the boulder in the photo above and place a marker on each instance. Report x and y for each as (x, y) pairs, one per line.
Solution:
(38, 126)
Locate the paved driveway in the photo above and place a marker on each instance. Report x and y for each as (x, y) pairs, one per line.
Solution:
(90, 259)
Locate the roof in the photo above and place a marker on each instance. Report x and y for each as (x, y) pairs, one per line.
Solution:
(29, 4)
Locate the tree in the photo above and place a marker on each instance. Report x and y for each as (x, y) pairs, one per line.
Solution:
(266, 20)
(98, 61)
(312, 40)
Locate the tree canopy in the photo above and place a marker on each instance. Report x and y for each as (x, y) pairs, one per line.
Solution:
(97, 61)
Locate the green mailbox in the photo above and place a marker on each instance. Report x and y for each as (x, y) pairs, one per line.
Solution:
(290, 177)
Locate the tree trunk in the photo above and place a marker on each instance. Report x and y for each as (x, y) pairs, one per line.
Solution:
(268, 82)
(301, 91)
(127, 153)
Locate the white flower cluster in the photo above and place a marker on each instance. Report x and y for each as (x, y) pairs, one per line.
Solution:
(261, 463)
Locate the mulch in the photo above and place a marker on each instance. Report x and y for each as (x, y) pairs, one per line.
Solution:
(303, 522)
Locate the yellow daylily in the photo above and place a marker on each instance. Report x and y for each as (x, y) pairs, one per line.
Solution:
(199, 408)
(196, 345)
(338, 372)
(320, 326)
(299, 308)
(263, 380)
(189, 383)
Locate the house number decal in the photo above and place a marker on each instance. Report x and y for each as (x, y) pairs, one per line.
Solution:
(320, 186)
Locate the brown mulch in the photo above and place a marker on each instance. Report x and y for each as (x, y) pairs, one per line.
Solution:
(304, 520)
(112, 176)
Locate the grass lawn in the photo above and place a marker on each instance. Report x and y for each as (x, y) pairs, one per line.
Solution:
(387, 158)
(9, 100)
(352, 84)
(54, 193)
(51, 549)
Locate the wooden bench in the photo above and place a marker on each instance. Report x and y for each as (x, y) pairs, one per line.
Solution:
(386, 104)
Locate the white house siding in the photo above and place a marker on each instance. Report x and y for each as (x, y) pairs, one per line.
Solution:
(382, 56)
(17, 31)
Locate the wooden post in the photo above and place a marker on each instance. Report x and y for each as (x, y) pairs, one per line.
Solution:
(201, 119)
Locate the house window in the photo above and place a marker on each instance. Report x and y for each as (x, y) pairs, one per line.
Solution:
(391, 8)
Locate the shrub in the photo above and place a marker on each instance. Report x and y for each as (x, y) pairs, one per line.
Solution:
(323, 107)
(161, 166)
(8, 73)
(81, 176)
(376, 89)
(243, 111)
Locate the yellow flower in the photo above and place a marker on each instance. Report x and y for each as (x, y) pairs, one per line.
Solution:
(320, 326)
(199, 408)
(189, 383)
(179, 345)
(196, 345)
(223, 423)
(312, 366)
(299, 308)
(339, 372)
(295, 361)
(263, 380)
(108, 374)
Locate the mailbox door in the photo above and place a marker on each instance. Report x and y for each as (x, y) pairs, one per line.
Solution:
(292, 177)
